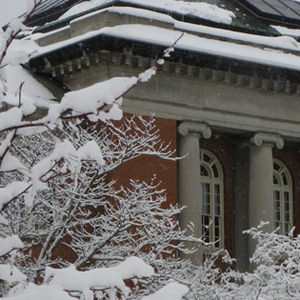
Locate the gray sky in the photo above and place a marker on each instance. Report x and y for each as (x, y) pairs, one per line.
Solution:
(10, 9)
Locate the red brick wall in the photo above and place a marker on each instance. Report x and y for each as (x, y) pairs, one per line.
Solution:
(145, 167)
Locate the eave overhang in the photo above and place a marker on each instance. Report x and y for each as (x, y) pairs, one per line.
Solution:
(48, 62)
(117, 32)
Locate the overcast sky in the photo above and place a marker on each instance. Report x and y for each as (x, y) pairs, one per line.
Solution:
(11, 9)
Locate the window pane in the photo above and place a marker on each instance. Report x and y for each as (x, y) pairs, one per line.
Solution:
(206, 199)
(206, 228)
(276, 166)
(215, 170)
(286, 197)
(217, 221)
(217, 233)
(217, 227)
(217, 200)
(284, 178)
(206, 158)
(206, 209)
(206, 220)
(277, 205)
(287, 228)
(217, 189)
(217, 210)
(203, 171)
(207, 188)
(286, 206)
(286, 216)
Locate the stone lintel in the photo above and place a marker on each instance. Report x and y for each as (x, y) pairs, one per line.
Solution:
(194, 128)
(267, 138)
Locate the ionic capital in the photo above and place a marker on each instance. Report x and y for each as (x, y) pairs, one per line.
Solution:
(186, 128)
(267, 138)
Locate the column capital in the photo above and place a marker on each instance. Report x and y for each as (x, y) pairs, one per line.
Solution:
(186, 128)
(272, 139)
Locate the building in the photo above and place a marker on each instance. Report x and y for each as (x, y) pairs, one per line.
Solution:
(228, 97)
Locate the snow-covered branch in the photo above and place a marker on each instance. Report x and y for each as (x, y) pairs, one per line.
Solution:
(55, 193)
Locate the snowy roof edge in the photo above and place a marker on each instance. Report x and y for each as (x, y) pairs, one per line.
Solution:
(178, 16)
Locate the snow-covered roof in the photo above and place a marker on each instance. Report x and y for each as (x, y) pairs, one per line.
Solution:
(86, 33)
(200, 9)
(216, 13)
(282, 42)
(197, 9)
(199, 38)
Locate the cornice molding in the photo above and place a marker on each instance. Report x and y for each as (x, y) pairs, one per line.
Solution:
(262, 138)
(192, 128)
(71, 67)
(81, 55)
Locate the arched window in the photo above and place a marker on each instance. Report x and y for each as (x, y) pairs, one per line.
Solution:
(283, 197)
(212, 199)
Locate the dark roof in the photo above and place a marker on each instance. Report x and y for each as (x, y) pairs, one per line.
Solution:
(50, 10)
(283, 12)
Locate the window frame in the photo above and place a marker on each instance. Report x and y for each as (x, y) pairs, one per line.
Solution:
(213, 183)
(281, 190)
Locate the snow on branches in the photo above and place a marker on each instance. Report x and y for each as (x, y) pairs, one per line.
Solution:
(54, 190)
(55, 193)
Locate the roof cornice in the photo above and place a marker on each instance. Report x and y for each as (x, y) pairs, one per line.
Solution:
(174, 68)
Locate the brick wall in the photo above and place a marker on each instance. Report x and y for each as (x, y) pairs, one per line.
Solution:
(145, 167)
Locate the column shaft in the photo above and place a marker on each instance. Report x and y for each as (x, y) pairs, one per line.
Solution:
(189, 186)
(261, 182)
(261, 186)
(189, 182)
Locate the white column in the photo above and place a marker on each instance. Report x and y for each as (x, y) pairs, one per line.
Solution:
(261, 181)
(189, 187)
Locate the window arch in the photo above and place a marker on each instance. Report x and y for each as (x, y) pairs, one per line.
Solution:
(283, 197)
(211, 175)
